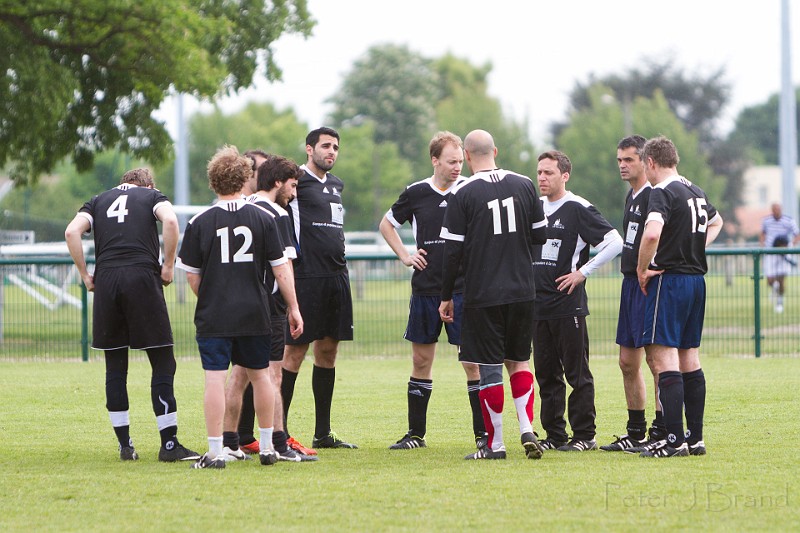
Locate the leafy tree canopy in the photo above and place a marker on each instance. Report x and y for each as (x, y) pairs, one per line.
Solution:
(84, 76)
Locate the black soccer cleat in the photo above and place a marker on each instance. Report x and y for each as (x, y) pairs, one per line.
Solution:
(127, 453)
(409, 442)
(698, 448)
(487, 453)
(551, 444)
(623, 443)
(268, 458)
(533, 449)
(176, 452)
(664, 449)
(331, 441)
(578, 445)
(206, 461)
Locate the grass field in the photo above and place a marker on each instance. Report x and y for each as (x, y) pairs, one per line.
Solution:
(60, 468)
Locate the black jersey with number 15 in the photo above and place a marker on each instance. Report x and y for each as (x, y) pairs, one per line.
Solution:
(685, 211)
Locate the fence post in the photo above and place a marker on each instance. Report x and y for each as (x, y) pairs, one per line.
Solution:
(757, 302)
(84, 323)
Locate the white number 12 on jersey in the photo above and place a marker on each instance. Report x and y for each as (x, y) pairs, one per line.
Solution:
(242, 255)
(508, 203)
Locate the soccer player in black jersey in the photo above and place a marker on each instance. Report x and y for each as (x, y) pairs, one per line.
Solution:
(680, 223)
(422, 204)
(323, 283)
(276, 187)
(490, 225)
(631, 302)
(129, 309)
(560, 338)
(227, 250)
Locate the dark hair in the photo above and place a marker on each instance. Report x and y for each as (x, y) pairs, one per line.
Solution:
(632, 141)
(662, 151)
(313, 136)
(252, 153)
(564, 164)
(276, 169)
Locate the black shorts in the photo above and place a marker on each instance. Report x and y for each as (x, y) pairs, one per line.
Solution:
(129, 310)
(327, 309)
(277, 336)
(492, 335)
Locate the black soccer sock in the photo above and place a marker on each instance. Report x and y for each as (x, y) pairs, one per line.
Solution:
(637, 424)
(230, 439)
(162, 393)
(419, 394)
(322, 382)
(288, 380)
(658, 431)
(117, 393)
(694, 403)
(473, 390)
(670, 395)
(247, 417)
(279, 441)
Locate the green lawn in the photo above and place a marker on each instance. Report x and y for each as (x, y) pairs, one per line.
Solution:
(60, 469)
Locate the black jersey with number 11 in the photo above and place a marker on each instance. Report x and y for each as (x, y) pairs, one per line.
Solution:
(497, 216)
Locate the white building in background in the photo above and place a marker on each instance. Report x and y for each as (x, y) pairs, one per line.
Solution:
(762, 186)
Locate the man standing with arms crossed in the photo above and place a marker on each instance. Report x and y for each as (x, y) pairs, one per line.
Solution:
(491, 223)
(560, 338)
(631, 302)
(323, 284)
(423, 204)
(129, 309)
(672, 263)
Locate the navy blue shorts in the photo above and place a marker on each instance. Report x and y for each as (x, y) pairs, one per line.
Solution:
(631, 314)
(425, 324)
(492, 335)
(675, 307)
(217, 353)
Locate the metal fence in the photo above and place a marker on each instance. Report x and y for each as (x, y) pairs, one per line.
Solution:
(46, 311)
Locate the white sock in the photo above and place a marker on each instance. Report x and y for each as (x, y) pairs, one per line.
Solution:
(265, 441)
(215, 446)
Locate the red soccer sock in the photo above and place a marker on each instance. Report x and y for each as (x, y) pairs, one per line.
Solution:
(492, 408)
(522, 391)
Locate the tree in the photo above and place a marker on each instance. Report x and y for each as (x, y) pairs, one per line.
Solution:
(757, 129)
(256, 126)
(697, 100)
(591, 138)
(84, 76)
(397, 90)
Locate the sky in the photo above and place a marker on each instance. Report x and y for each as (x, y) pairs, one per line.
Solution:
(538, 50)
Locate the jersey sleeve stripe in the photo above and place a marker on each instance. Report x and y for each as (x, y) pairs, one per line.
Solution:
(445, 234)
(183, 266)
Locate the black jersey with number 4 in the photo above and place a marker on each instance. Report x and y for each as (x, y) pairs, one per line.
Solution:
(633, 227)
(124, 224)
(423, 204)
(497, 216)
(685, 211)
(231, 245)
(318, 219)
(573, 224)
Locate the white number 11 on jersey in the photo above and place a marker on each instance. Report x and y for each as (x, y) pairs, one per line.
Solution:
(508, 203)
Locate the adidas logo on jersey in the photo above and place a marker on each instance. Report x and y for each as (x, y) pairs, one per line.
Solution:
(443, 204)
(325, 190)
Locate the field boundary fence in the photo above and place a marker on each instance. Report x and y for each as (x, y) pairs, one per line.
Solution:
(45, 311)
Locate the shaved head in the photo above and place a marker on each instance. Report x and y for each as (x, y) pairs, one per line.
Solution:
(479, 143)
